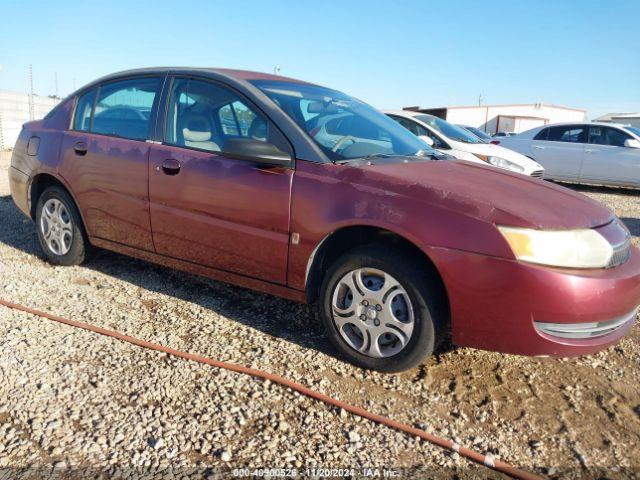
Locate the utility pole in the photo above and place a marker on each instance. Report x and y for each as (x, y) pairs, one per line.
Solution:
(480, 100)
(55, 81)
(31, 106)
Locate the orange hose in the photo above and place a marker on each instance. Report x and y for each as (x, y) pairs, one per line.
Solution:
(403, 427)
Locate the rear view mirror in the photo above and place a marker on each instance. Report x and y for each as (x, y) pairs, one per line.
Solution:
(256, 151)
(323, 107)
(632, 143)
(427, 139)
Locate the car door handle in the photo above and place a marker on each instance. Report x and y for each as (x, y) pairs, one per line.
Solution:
(80, 148)
(539, 147)
(170, 166)
(588, 150)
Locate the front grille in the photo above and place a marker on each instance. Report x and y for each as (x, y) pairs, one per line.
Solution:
(621, 253)
(538, 174)
(586, 330)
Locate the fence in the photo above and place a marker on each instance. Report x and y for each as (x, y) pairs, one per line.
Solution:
(15, 110)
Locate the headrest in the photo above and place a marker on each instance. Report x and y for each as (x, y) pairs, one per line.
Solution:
(195, 136)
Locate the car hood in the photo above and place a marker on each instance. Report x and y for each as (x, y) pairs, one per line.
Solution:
(493, 195)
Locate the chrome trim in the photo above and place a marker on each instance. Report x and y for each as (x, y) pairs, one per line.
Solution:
(537, 174)
(621, 253)
(585, 330)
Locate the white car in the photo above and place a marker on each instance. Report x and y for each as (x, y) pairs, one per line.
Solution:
(449, 138)
(593, 153)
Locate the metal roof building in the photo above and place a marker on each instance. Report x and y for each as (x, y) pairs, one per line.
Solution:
(506, 118)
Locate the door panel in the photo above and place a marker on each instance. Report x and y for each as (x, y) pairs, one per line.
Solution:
(223, 213)
(607, 160)
(616, 165)
(105, 158)
(109, 182)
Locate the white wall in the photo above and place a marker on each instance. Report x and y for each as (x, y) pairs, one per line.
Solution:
(485, 117)
(14, 111)
(633, 121)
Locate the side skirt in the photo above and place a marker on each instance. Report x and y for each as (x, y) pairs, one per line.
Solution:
(189, 267)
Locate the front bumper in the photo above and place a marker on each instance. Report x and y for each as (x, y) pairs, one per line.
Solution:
(513, 307)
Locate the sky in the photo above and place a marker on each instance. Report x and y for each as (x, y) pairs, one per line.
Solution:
(583, 54)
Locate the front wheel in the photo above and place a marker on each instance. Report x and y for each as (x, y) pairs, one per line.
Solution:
(381, 310)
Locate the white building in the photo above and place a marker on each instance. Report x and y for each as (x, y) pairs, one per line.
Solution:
(16, 109)
(506, 118)
(632, 119)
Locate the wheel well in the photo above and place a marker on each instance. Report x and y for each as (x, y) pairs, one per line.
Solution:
(39, 184)
(345, 239)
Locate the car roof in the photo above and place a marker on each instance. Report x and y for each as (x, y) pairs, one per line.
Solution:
(240, 76)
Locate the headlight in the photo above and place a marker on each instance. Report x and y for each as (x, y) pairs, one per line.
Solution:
(583, 248)
(500, 163)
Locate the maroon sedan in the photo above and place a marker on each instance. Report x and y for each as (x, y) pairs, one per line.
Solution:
(301, 191)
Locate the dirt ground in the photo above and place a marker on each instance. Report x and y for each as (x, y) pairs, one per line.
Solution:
(575, 418)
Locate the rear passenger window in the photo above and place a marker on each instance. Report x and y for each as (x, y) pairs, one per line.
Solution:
(567, 133)
(84, 108)
(124, 108)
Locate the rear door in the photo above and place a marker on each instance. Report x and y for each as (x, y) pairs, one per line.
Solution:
(560, 150)
(229, 214)
(607, 160)
(105, 158)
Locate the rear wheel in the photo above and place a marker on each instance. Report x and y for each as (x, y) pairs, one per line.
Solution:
(60, 228)
(381, 310)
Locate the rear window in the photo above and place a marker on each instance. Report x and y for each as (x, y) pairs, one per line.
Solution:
(84, 109)
(567, 133)
(122, 109)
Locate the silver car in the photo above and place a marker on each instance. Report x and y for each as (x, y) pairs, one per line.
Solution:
(592, 153)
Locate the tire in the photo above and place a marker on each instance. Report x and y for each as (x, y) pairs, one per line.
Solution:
(414, 292)
(60, 230)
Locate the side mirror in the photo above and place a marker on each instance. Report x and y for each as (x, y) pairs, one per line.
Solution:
(256, 151)
(427, 139)
(632, 143)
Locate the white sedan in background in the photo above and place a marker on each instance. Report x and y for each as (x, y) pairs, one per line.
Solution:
(592, 153)
(449, 138)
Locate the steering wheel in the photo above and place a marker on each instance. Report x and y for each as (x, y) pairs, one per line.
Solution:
(339, 143)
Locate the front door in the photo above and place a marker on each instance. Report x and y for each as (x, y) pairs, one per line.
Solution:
(607, 160)
(229, 214)
(105, 157)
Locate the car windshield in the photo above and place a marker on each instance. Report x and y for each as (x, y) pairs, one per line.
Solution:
(343, 127)
(449, 130)
(634, 130)
(477, 132)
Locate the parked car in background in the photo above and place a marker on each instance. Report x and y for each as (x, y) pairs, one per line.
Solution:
(593, 153)
(502, 134)
(477, 132)
(449, 138)
(302, 191)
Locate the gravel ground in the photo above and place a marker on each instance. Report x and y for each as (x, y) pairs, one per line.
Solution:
(73, 403)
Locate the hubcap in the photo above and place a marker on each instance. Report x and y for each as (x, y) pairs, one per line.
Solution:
(56, 226)
(372, 312)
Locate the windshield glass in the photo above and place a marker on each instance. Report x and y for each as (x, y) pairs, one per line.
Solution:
(478, 133)
(343, 127)
(634, 130)
(449, 130)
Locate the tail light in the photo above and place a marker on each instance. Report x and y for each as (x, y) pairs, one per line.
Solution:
(495, 142)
